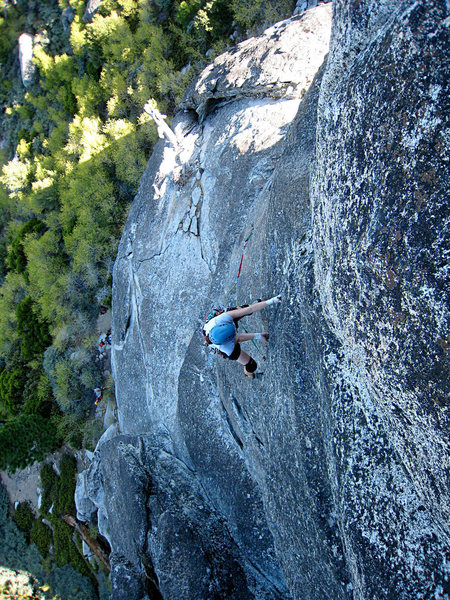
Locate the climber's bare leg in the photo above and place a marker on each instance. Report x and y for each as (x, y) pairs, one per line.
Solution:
(245, 337)
(246, 360)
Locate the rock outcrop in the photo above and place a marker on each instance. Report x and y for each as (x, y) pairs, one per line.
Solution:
(67, 16)
(27, 68)
(327, 477)
(91, 10)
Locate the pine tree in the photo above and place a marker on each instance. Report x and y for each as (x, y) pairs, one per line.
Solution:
(24, 440)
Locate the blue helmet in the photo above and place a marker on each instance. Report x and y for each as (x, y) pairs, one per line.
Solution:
(222, 333)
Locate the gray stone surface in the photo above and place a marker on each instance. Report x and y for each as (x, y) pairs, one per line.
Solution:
(91, 8)
(27, 68)
(266, 66)
(380, 206)
(67, 16)
(328, 476)
(86, 509)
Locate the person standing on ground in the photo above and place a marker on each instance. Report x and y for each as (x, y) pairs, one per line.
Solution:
(220, 332)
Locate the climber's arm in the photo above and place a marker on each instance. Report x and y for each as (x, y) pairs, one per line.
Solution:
(248, 310)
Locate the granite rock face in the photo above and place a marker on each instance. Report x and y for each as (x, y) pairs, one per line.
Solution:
(91, 9)
(328, 476)
(67, 16)
(27, 68)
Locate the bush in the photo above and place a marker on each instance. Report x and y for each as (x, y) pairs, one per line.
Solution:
(186, 12)
(92, 432)
(4, 505)
(12, 22)
(252, 14)
(12, 384)
(38, 395)
(69, 429)
(65, 486)
(65, 550)
(33, 330)
(69, 584)
(24, 518)
(24, 440)
(48, 481)
(42, 536)
(15, 552)
(59, 491)
(16, 258)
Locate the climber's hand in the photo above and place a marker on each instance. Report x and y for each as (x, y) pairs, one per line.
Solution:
(274, 300)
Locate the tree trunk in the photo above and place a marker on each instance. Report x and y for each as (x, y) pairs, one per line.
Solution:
(91, 542)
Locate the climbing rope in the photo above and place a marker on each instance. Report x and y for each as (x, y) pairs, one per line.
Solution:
(255, 344)
(236, 283)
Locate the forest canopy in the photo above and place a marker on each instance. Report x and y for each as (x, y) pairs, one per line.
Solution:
(74, 144)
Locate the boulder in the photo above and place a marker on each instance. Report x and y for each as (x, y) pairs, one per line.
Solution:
(67, 17)
(91, 9)
(86, 509)
(27, 68)
(279, 64)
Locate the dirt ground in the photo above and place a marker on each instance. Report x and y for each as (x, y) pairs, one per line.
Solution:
(24, 486)
(104, 322)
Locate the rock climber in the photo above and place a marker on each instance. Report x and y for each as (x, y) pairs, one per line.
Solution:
(220, 333)
(98, 391)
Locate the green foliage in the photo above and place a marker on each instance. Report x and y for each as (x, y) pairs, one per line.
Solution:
(13, 291)
(15, 553)
(38, 396)
(70, 429)
(24, 517)
(12, 22)
(63, 548)
(220, 16)
(65, 486)
(24, 388)
(16, 177)
(25, 439)
(186, 12)
(48, 481)
(4, 505)
(33, 331)
(11, 389)
(17, 260)
(69, 584)
(59, 492)
(92, 431)
(70, 394)
(42, 536)
(254, 14)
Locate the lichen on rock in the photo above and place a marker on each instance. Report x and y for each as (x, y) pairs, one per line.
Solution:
(328, 476)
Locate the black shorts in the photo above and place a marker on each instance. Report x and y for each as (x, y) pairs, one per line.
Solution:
(236, 352)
